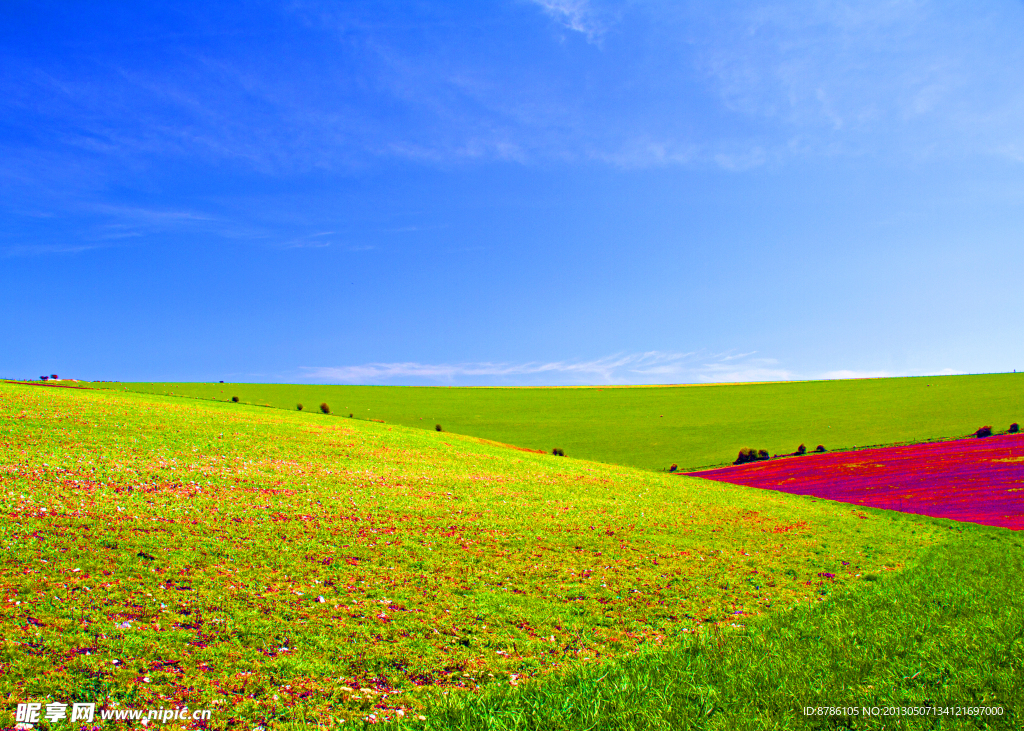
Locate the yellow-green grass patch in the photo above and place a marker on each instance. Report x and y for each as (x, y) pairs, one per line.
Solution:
(654, 427)
(274, 564)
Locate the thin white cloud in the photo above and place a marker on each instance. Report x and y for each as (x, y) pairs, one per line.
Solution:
(912, 76)
(734, 85)
(306, 244)
(150, 215)
(118, 222)
(576, 15)
(652, 367)
(649, 368)
(44, 249)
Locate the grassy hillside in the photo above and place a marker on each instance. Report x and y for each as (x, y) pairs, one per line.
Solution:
(942, 642)
(938, 646)
(283, 567)
(653, 427)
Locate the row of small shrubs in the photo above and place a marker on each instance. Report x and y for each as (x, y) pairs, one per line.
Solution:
(327, 409)
(755, 455)
(558, 452)
(323, 407)
(986, 431)
(751, 455)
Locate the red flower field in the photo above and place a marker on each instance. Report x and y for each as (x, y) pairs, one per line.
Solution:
(975, 480)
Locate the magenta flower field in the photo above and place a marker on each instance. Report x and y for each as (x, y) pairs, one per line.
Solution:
(975, 480)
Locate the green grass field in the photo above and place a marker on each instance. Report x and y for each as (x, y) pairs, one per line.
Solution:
(654, 427)
(945, 638)
(291, 570)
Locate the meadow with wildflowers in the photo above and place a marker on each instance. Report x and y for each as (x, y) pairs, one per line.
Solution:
(296, 569)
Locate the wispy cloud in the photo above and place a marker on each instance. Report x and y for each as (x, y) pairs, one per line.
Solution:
(732, 85)
(841, 78)
(635, 368)
(576, 15)
(649, 368)
(312, 241)
(19, 250)
(151, 215)
(107, 221)
(307, 244)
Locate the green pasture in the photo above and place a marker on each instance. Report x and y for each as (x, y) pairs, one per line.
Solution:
(941, 644)
(654, 427)
(290, 570)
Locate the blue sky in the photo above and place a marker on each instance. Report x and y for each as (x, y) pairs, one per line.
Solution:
(516, 192)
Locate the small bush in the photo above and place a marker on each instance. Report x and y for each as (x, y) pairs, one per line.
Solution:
(234, 399)
(437, 427)
(763, 454)
(820, 448)
(557, 452)
(985, 431)
(325, 408)
(802, 449)
(298, 406)
(1014, 427)
(673, 468)
(351, 415)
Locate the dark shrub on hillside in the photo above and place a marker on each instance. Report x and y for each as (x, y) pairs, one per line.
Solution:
(801, 449)
(351, 415)
(746, 455)
(763, 454)
(235, 399)
(1014, 427)
(820, 448)
(673, 468)
(557, 452)
(438, 427)
(985, 431)
(325, 408)
(298, 406)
